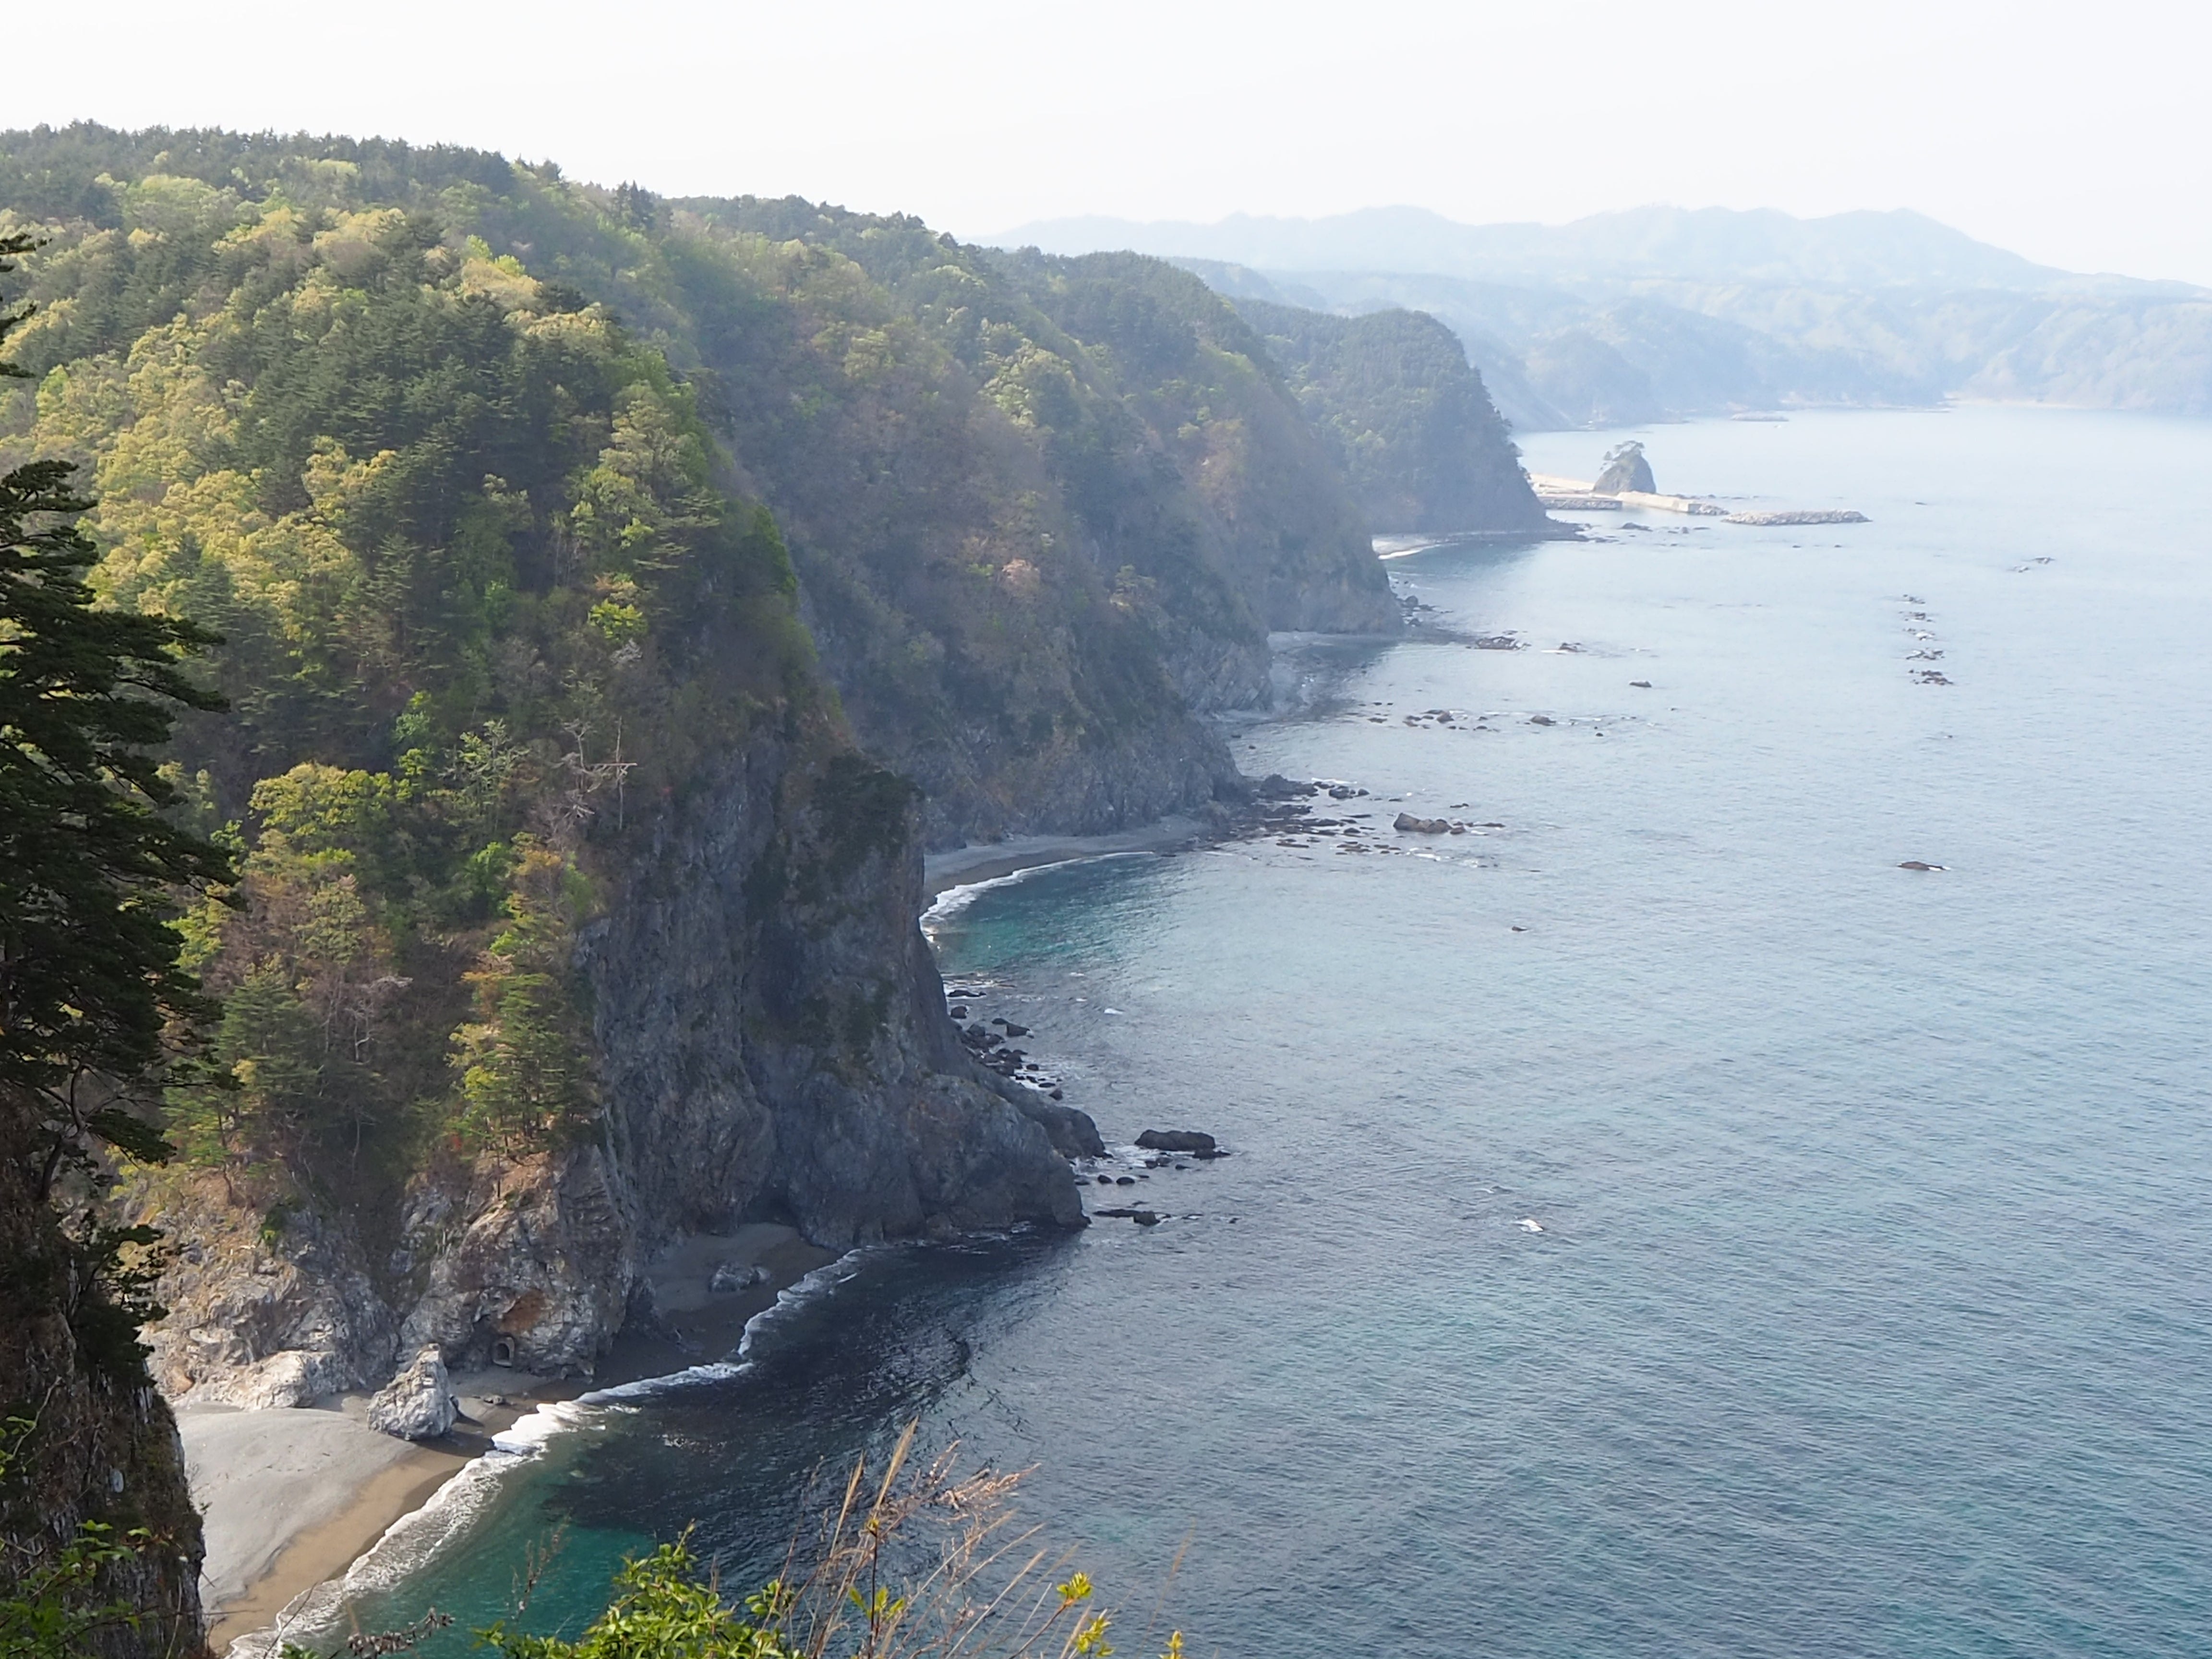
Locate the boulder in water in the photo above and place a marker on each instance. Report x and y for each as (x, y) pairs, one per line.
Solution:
(1176, 1140)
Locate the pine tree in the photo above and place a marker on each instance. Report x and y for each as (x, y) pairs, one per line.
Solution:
(93, 1009)
(92, 999)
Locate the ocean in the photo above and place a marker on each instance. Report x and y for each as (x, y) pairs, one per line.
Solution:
(1655, 1223)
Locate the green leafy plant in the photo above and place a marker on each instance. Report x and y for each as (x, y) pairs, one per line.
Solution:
(53, 1606)
(916, 1563)
(95, 1004)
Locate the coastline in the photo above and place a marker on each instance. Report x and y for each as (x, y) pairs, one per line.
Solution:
(964, 867)
(295, 1496)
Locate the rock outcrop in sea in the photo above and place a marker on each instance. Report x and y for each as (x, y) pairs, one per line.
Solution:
(1626, 469)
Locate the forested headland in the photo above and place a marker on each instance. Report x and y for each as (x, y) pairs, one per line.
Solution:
(600, 600)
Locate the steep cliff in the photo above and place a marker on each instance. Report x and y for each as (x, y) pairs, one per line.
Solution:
(773, 1042)
(1050, 522)
(567, 915)
(103, 1447)
(617, 596)
(1407, 417)
(1044, 512)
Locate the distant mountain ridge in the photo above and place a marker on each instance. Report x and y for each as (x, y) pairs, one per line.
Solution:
(1898, 248)
(1662, 313)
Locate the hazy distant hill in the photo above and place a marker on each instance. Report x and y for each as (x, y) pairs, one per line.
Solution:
(1628, 316)
(1393, 394)
(1864, 250)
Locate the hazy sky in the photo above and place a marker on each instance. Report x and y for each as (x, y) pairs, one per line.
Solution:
(2074, 133)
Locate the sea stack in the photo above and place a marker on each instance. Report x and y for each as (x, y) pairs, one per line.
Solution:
(1626, 469)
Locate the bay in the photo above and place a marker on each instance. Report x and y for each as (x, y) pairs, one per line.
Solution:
(1657, 1224)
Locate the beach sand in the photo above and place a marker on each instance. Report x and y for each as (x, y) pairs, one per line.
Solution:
(988, 860)
(292, 1496)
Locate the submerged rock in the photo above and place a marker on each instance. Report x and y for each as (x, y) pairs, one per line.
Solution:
(1412, 825)
(1799, 516)
(418, 1404)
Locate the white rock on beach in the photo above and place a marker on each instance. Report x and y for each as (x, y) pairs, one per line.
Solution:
(418, 1404)
(294, 1377)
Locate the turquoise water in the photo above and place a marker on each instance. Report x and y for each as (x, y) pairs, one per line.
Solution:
(1658, 1225)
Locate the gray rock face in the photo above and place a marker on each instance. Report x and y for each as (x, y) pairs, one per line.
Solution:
(774, 1031)
(538, 1262)
(1176, 1140)
(1070, 1130)
(418, 1404)
(773, 1043)
(297, 1377)
(1626, 469)
(263, 1315)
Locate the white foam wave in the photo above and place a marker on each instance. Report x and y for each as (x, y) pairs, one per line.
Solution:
(410, 1543)
(813, 1287)
(953, 900)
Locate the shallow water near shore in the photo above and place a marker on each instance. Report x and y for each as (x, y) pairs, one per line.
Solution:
(1658, 1224)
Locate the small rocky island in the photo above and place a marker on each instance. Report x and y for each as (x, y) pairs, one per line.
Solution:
(1624, 479)
(1626, 469)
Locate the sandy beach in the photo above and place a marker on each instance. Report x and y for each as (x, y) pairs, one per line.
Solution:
(292, 1496)
(957, 866)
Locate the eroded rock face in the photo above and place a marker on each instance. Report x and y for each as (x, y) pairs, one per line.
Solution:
(773, 1043)
(418, 1404)
(774, 1030)
(104, 1446)
(531, 1261)
(1073, 1132)
(294, 1376)
(266, 1307)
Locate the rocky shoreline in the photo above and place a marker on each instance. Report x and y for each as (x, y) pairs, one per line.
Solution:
(293, 1496)
(296, 1492)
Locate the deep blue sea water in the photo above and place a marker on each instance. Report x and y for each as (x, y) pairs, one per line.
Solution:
(1871, 1307)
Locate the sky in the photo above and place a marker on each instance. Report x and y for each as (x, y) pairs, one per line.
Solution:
(2074, 133)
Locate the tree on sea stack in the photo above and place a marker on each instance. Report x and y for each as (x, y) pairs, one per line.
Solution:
(98, 1546)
